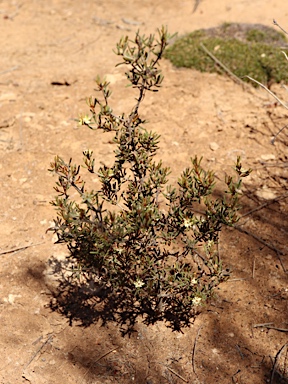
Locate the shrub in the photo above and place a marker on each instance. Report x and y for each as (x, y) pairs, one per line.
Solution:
(137, 240)
(246, 50)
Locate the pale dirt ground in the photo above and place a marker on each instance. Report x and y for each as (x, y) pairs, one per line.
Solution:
(72, 41)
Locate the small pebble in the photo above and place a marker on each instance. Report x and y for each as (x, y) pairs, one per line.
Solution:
(213, 146)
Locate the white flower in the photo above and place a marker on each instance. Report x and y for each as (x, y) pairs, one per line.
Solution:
(84, 120)
(194, 281)
(196, 300)
(210, 243)
(139, 283)
(188, 223)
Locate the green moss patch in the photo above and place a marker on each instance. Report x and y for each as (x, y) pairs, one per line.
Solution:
(245, 49)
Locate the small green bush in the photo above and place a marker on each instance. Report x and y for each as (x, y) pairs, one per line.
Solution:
(136, 239)
(246, 50)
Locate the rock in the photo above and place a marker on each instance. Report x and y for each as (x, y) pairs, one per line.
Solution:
(11, 298)
(113, 78)
(8, 97)
(213, 146)
(268, 156)
(266, 193)
(22, 180)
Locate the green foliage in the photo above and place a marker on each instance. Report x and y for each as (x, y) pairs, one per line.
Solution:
(244, 50)
(136, 239)
(266, 36)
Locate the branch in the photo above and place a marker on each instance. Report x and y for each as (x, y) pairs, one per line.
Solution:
(279, 26)
(258, 239)
(234, 77)
(275, 362)
(19, 248)
(275, 97)
(282, 197)
(268, 326)
(268, 90)
(194, 350)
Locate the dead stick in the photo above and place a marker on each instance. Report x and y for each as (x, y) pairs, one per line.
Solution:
(275, 328)
(239, 351)
(278, 133)
(275, 97)
(268, 90)
(265, 204)
(196, 4)
(275, 362)
(177, 374)
(39, 350)
(101, 357)
(106, 354)
(238, 227)
(262, 325)
(275, 23)
(233, 377)
(234, 77)
(253, 268)
(194, 350)
(266, 165)
(20, 248)
(10, 69)
(258, 239)
(281, 262)
(86, 45)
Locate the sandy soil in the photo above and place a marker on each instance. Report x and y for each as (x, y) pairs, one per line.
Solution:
(68, 43)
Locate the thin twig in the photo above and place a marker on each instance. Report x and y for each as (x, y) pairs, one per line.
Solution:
(86, 45)
(284, 53)
(253, 268)
(106, 354)
(131, 22)
(196, 5)
(279, 26)
(262, 325)
(101, 357)
(275, 362)
(268, 90)
(281, 262)
(239, 351)
(240, 229)
(19, 248)
(275, 136)
(177, 374)
(266, 165)
(268, 326)
(234, 77)
(277, 329)
(39, 350)
(10, 69)
(268, 245)
(233, 378)
(194, 350)
(218, 248)
(265, 204)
